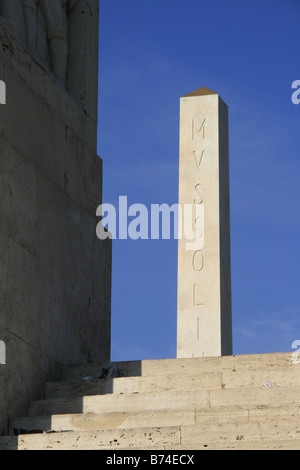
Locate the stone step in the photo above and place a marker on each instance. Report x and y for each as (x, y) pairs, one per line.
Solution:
(158, 418)
(233, 402)
(113, 420)
(203, 380)
(132, 385)
(263, 444)
(166, 400)
(190, 367)
(250, 431)
(193, 437)
(12, 443)
(96, 440)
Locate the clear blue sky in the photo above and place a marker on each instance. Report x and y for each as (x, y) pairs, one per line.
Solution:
(151, 53)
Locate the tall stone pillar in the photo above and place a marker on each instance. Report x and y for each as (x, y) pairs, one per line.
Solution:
(204, 280)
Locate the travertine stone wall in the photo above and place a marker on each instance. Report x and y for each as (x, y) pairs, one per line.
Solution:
(54, 272)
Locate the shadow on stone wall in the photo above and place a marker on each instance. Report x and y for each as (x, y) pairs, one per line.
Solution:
(67, 397)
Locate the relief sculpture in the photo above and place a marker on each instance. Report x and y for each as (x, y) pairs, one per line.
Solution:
(43, 26)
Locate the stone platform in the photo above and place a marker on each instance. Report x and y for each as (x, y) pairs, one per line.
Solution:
(230, 402)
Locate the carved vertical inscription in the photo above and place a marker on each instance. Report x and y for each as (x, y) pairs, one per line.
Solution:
(204, 293)
(198, 260)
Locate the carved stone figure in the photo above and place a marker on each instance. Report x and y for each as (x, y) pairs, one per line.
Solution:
(42, 16)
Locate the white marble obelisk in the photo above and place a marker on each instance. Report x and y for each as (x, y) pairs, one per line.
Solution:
(204, 326)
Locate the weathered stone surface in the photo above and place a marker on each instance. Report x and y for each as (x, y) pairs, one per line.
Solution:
(204, 278)
(133, 385)
(97, 440)
(188, 366)
(55, 273)
(120, 402)
(175, 381)
(62, 37)
(83, 173)
(114, 420)
(20, 67)
(18, 208)
(158, 412)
